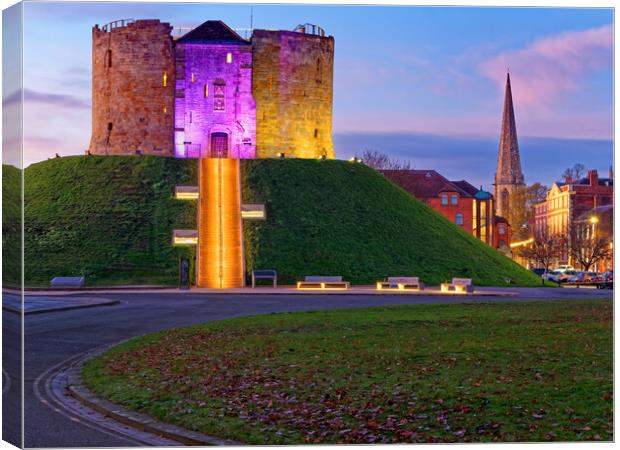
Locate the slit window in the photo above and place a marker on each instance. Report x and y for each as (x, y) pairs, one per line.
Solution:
(228, 57)
(193, 77)
(165, 79)
(108, 58)
(206, 90)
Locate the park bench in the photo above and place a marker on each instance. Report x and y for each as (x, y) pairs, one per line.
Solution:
(265, 274)
(458, 285)
(400, 284)
(323, 283)
(68, 282)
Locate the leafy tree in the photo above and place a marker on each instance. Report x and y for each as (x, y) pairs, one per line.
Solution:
(574, 173)
(521, 211)
(380, 161)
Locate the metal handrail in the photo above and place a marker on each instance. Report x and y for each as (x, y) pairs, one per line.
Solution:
(117, 24)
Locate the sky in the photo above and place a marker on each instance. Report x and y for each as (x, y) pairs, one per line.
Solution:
(418, 83)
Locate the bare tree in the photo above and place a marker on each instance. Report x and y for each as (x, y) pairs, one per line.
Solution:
(588, 250)
(574, 173)
(380, 161)
(544, 250)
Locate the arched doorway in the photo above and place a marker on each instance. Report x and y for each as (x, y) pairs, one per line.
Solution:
(219, 145)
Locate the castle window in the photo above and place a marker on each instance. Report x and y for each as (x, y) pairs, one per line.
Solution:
(228, 57)
(190, 117)
(206, 90)
(444, 199)
(109, 126)
(458, 219)
(193, 77)
(316, 132)
(108, 59)
(319, 71)
(454, 199)
(165, 79)
(219, 95)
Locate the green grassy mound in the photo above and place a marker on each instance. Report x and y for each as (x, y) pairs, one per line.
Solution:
(341, 218)
(540, 371)
(11, 225)
(109, 219)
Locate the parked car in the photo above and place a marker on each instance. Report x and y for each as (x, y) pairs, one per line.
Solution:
(551, 276)
(567, 275)
(608, 276)
(564, 268)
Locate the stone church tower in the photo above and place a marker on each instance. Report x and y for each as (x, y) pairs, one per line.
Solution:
(508, 176)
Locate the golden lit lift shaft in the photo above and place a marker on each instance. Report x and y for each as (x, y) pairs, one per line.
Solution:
(220, 244)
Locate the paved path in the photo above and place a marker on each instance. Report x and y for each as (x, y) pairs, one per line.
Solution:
(52, 338)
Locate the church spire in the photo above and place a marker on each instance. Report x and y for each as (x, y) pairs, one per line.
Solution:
(508, 175)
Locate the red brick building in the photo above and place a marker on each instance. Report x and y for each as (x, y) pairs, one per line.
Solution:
(458, 201)
(567, 202)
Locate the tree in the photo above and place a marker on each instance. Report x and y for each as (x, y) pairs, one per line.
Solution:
(588, 250)
(521, 209)
(574, 173)
(380, 161)
(544, 250)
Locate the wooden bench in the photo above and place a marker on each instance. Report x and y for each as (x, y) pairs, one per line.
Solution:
(458, 285)
(68, 282)
(323, 283)
(400, 284)
(265, 274)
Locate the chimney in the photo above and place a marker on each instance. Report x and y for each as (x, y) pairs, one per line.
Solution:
(593, 177)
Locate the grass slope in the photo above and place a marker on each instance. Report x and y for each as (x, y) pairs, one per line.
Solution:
(11, 225)
(111, 218)
(107, 218)
(341, 218)
(540, 371)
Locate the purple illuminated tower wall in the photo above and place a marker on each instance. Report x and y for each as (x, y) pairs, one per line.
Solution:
(215, 112)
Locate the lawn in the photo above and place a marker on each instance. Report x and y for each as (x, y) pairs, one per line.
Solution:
(536, 371)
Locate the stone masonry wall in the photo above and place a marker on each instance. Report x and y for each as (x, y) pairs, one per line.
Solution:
(132, 109)
(292, 85)
(200, 69)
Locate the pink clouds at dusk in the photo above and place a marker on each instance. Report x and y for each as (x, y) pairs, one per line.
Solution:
(553, 66)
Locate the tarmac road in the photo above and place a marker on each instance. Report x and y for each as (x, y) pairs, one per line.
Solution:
(54, 337)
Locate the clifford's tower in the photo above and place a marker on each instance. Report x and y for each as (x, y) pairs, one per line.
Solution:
(508, 176)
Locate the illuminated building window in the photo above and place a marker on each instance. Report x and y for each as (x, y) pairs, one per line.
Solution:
(193, 77)
(454, 199)
(108, 59)
(444, 199)
(219, 95)
(165, 79)
(229, 57)
(458, 219)
(206, 90)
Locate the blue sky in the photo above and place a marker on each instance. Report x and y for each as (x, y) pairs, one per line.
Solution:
(420, 83)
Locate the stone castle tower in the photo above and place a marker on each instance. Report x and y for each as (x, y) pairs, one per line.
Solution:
(211, 92)
(508, 176)
(133, 88)
(293, 87)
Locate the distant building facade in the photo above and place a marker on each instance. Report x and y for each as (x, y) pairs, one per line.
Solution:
(211, 93)
(508, 175)
(567, 203)
(458, 201)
